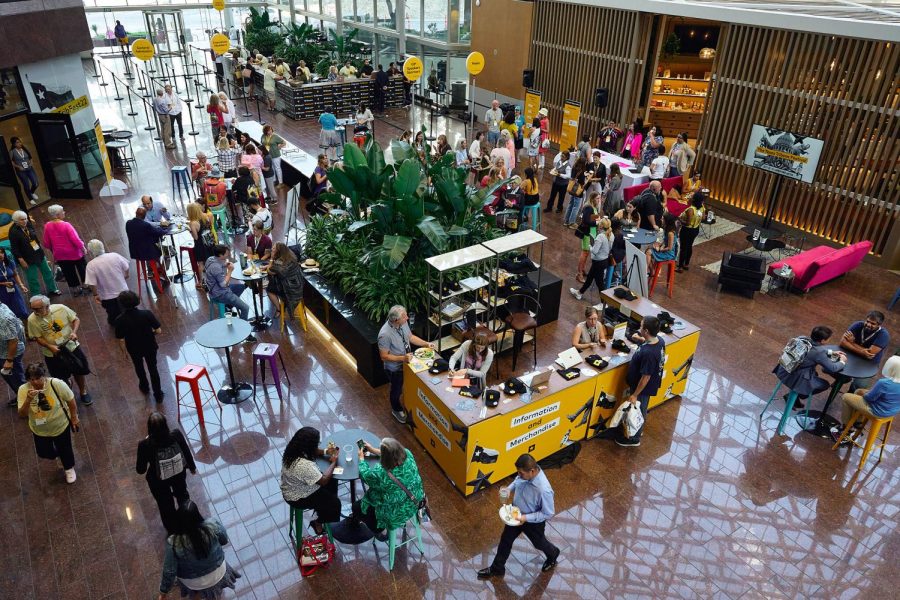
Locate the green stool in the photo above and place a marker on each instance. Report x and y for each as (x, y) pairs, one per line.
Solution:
(533, 214)
(222, 222)
(216, 310)
(392, 540)
(788, 408)
(295, 530)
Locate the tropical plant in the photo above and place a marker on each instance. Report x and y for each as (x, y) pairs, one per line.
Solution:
(341, 49)
(301, 42)
(671, 46)
(261, 33)
(258, 20)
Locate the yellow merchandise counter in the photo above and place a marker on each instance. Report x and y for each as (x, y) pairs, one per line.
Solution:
(477, 446)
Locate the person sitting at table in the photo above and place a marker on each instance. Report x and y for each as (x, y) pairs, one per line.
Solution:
(302, 73)
(200, 167)
(667, 249)
(628, 216)
(261, 214)
(259, 244)
(285, 278)
(348, 71)
(214, 188)
(241, 189)
(473, 358)
(227, 155)
(803, 379)
(333, 73)
(144, 242)
(303, 485)
(866, 339)
(156, 212)
(218, 281)
(253, 159)
(386, 505)
(364, 120)
(882, 401)
(590, 334)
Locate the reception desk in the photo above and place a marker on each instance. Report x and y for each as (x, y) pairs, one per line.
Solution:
(476, 446)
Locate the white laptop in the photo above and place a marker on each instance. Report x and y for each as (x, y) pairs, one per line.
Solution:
(569, 358)
(536, 379)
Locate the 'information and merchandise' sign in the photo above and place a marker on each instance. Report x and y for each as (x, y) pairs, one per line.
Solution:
(784, 153)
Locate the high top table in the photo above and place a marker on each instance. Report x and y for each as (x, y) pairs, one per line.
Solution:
(219, 333)
(296, 165)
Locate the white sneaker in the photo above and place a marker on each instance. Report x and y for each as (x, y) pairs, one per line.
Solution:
(34, 197)
(575, 293)
(70, 476)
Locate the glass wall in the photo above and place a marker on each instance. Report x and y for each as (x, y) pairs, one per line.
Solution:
(387, 15)
(329, 7)
(435, 12)
(413, 19)
(365, 11)
(387, 50)
(460, 21)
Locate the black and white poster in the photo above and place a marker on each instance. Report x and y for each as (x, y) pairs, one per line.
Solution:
(59, 85)
(783, 153)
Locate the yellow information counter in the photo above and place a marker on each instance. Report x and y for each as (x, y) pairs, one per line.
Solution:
(477, 446)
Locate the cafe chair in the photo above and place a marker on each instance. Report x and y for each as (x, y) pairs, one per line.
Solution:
(221, 224)
(145, 270)
(181, 180)
(216, 310)
(788, 408)
(299, 312)
(875, 425)
(268, 353)
(392, 539)
(192, 375)
(670, 278)
(520, 320)
(295, 528)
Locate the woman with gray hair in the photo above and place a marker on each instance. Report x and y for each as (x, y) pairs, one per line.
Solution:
(67, 248)
(882, 401)
(387, 504)
(107, 276)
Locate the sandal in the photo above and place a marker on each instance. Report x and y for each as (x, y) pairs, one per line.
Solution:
(317, 526)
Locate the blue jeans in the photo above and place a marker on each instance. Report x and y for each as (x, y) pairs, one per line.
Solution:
(232, 299)
(572, 210)
(16, 375)
(29, 180)
(493, 137)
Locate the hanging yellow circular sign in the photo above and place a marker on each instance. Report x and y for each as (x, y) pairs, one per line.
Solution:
(143, 49)
(220, 43)
(412, 68)
(219, 4)
(475, 63)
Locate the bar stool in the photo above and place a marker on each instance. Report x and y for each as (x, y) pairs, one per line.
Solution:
(191, 258)
(875, 426)
(788, 408)
(299, 312)
(533, 214)
(144, 275)
(221, 222)
(295, 528)
(181, 180)
(392, 539)
(191, 375)
(216, 310)
(268, 353)
(521, 320)
(670, 279)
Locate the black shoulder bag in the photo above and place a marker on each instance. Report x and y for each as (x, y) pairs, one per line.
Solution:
(424, 512)
(62, 405)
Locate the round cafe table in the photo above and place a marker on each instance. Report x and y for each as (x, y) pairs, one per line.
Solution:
(639, 237)
(176, 227)
(820, 423)
(219, 334)
(259, 321)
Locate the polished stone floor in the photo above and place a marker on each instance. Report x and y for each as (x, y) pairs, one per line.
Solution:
(712, 505)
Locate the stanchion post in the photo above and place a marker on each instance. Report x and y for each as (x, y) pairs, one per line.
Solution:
(102, 80)
(258, 115)
(246, 108)
(116, 86)
(132, 113)
(149, 127)
(96, 68)
(193, 130)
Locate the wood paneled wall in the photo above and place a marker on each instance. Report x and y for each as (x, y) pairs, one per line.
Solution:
(506, 55)
(841, 90)
(577, 49)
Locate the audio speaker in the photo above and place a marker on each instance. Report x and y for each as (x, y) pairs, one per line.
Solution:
(602, 97)
(528, 78)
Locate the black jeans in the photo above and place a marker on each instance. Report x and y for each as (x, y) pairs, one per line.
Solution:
(535, 534)
(368, 517)
(596, 274)
(113, 310)
(687, 237)
(138, 359)
(168, 494)
(324, 501)
(57, 446)
(557, 190)
(177, 119)
(73, 270)
(395, 378)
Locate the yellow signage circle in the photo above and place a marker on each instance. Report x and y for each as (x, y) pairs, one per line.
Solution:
(475, 63)
(143, 49)
(220, 43)
(218, 4)
(413, 68)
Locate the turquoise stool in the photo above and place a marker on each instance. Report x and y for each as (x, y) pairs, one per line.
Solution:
(792, 398)
(181, 180)
(533, 214)
(392, 540)
(216, 310)
(295, 529)
(222, 222)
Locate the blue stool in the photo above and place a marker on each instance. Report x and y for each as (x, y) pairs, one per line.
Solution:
(295, 529)
(221, 221)
(789, 406)
(533, 214)
(894, 299)
(181, 179)
(216, 310)
(392, 540)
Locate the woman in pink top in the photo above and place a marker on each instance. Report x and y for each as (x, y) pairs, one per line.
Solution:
(632, 146)
(253, 160)
(545, 135)
(67, 248)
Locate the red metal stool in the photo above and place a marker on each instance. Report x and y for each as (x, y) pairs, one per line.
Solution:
(670, 279)
(191, 375)
(190, 252)
(262, 354)
(144, 276)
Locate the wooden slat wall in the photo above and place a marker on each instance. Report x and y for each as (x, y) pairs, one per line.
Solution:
(841, 90)
(577, 49)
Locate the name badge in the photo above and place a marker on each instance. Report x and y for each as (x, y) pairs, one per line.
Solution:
(34, 245)
(40, 421)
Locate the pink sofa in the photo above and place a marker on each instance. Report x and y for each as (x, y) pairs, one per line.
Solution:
(667, 184)
(823, 263)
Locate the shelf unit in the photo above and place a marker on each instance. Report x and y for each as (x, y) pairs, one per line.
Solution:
(678, 99)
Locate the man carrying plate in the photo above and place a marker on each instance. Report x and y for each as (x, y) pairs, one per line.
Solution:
(394, 341)
(533, 497)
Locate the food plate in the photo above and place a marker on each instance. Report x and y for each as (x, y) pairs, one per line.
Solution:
(424, 353)
(508, 514)
(248, 272)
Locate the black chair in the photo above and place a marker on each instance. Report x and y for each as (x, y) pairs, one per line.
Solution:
(742, 273)
(520, 319)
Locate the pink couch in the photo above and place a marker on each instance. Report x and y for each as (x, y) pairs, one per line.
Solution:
(823, 263)
(667, 184)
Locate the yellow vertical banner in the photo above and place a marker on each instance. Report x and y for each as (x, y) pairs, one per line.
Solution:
(532, 106)
(104, 153)
(568, 137)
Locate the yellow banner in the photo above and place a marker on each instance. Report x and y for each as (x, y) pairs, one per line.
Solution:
(532, 106)
(70, 108)
(568, 137)
(104, 153)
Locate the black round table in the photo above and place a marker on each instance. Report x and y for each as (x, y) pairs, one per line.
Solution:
(640, 237)
(259, 321)
(769, 247)
(177, 227)
(221, 334)
(820, 423)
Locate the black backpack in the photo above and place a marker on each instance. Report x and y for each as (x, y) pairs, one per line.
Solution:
(169, 461)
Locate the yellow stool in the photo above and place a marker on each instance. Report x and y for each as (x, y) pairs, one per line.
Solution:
(876, 423)
(299, 312)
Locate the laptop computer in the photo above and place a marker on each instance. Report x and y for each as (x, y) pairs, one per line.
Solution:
(569, 358)
(534, 380)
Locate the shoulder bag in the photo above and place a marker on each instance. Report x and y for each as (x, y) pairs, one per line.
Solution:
(62, 405)
(424, 512)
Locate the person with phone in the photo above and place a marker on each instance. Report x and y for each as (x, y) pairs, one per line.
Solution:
(49, 405)
(303, 486)
(393, 488)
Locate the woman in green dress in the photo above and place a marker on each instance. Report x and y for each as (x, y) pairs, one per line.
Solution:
(386, 505)
(588, 232)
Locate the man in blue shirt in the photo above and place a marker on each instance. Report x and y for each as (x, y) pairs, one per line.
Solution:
(533, 496)
(217, 274)
(866, 339)
(156, 213)
(645, 371)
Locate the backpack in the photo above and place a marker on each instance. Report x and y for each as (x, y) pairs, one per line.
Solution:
(169, 461)
(794, 353)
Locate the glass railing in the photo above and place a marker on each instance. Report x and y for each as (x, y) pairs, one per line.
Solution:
(167, 3)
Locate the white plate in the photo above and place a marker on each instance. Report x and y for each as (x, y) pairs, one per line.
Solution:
(505, 516)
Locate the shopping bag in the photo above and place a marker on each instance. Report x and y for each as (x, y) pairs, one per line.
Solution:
(634, 420)
(618, 415)
(315, 552)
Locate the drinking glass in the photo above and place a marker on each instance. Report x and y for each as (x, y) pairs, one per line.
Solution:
(348, 452)
(504, 495)
(756, 234)
(762, 240)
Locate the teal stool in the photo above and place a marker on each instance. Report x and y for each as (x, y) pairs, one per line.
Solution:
(222, 222)
(789, 406)
(295, 529)
(216, 310)
(533, 214)
(181, 180)
(392, 540)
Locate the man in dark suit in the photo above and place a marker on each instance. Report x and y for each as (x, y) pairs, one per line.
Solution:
(381, 83)
(143, 243)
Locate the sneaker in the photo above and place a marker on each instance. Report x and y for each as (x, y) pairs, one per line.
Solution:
(34, 197)
(842, 443)
(550, 562)
(575, 293)
(55, 293)
(86, 399)
(70, 476)
(400, 415)
(628, 443)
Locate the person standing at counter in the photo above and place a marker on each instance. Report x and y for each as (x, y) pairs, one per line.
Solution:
(394, 345)
(645, 371)
(473, 359)
(533, 496)
(274, 143)
(329, 140)
(302, 73)
(381, 84)
(348, 71)
(590, 334)
(269, 79)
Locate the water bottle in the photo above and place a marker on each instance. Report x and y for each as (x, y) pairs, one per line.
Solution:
(659, 236)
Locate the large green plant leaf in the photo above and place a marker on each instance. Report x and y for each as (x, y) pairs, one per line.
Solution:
(450, 194)
(354, 157)
(434, 232)
(375, 157)
(341, 182)
(357, 225)
(401, 151)
(408, 179)
(456, 230)
(394, 249)
(383, 216)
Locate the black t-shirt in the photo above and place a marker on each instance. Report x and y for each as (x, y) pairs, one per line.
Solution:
(647, 360)
(618, 248)
(147, 456)
(239, 188)
(367, 70)
(648, 204)
(136, 326)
